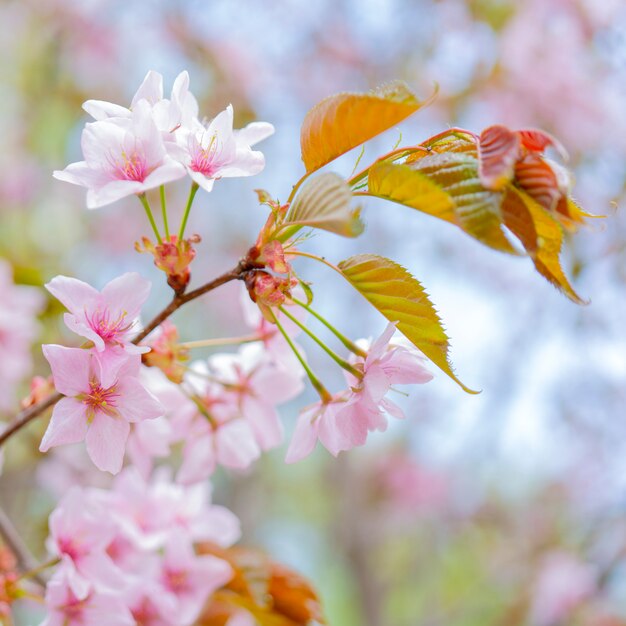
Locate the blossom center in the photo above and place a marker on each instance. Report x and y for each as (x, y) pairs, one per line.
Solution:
(177, 580)
(203, 159)
(100, 399)
(107, 327)
(131, 167)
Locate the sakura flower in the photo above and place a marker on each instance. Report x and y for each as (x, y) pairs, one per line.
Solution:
(318, 421)
(385, 365)
(108, 318)
(147, 513)
(102, 398)
(217, 151)
(213, 429)
(180, 110)
(79, 534)
(257, 384)
(123, 156)
(96, 608)
(189, 579)
(19, 307)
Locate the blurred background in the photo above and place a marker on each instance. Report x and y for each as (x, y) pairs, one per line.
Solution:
(493, 510)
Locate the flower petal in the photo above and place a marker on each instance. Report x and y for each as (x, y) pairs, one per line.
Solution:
(106, 441)
(68, 424)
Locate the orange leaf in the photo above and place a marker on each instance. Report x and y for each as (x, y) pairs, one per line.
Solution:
(540, 234)
(341, 122)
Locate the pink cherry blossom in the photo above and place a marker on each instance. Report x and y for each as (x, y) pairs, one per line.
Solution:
(95, 608)
(189, 579)
(257, 384)
(123, 156)
(385, 365)
(102, 398)
(80, 532)
(213, 429)
(169, 115)
(108, 318)
(318, 421)
(19, 306)
(217, 151)
(147, 513)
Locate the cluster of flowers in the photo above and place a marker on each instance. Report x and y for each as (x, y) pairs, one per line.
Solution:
(159, 140)
(19, 307)
(127, 554)
(223, 409)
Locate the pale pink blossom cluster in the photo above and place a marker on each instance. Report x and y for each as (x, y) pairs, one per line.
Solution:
(158, 140)
(127, 555)
(100, 384)
(19, 306)
(346, 420)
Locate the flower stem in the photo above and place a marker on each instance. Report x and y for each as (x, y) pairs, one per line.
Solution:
(324, 394)
(226, 341)
(146, 206)
(331, 353)
(164, 211)
(35, 571)
(348, 343)
(183, 224)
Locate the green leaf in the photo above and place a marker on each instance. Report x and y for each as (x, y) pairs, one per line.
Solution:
(346, 120)
(324, 202)
(394, 292)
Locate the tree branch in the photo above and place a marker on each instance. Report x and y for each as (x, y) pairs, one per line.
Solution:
(11, 538)
(237, 273)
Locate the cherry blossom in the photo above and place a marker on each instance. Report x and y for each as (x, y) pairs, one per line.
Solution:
(101, 399)
(123, 156)
(19, 307)
(189, 579)
(79, 534)
(95, 608)
(384, 366)
(217, 151)
(108, 318)
(257, 384)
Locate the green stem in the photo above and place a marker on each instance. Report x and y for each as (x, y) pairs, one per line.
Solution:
(332, 354)
(348, 343)
(146, 206)
(226, 341)
(33, 573)
(183, 224)
(324, 394)
(164, 211)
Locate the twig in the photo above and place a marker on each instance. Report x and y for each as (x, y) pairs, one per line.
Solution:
(25, 559)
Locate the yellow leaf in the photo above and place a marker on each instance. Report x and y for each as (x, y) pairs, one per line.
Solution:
(394, 292)
(445, 186)
(324, 202)
(341, 122)
(540, 234)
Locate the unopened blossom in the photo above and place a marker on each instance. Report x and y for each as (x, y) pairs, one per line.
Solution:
(217, 151)
(123, 156)
(101, 399)
(189, 579)
(109, 317)
(80, 531)
(384, 366)
(96, 608)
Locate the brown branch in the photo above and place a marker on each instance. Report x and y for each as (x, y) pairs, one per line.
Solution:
(25, 560)
(237, 273)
